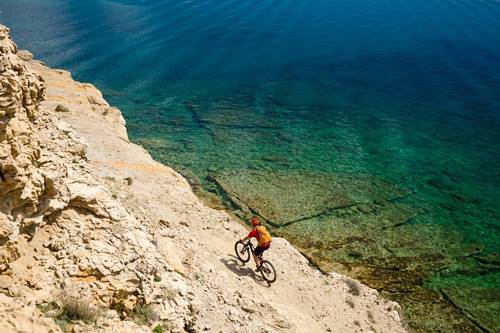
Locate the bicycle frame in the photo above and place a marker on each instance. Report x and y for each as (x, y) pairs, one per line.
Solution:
(251, 247)
(265, 267)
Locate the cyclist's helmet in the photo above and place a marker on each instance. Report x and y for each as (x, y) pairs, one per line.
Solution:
(255, 221)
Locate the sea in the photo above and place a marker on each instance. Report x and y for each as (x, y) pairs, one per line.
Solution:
(366, 132)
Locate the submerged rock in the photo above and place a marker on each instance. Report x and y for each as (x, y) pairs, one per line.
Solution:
(429, 311)
(353, 224)
(284, 197)
(480, 305)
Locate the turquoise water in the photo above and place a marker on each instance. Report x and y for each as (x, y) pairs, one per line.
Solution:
(406, 91)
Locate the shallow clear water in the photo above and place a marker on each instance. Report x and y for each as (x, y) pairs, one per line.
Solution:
(407, 91)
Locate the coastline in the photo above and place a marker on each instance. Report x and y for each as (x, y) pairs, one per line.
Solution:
(127, 192)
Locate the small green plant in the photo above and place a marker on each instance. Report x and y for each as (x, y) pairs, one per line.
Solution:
(164, 326)
(158, 329)
(143, 314)
(49, 309)
(157, 278)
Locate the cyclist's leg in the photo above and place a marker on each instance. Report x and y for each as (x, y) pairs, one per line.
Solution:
(259, 251)
(255, 259)
(257, 254)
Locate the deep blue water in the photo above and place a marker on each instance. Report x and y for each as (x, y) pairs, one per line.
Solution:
(446, 53)
(407, 90)
(398, 88)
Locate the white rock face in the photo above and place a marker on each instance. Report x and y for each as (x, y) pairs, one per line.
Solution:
(61, 230)
(86, 214)
(21, 182)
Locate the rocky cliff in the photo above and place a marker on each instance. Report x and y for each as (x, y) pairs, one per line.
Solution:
(95, 236)
(21, 181)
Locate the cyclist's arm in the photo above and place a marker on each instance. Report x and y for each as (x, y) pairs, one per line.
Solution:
(252, 233)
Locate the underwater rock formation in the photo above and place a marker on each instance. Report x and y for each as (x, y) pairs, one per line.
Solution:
(358, 224)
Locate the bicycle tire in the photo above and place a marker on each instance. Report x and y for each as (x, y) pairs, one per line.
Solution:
(242, 251)
(267, 271)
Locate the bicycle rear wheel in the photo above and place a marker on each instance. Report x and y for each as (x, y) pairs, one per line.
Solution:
(242, 251)
(267, 271)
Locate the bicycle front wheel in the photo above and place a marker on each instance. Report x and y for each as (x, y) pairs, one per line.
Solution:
(267, 271)
(242, 251)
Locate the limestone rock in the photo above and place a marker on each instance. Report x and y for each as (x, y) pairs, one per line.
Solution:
(21, 182)
(17, 317)
(25, 55)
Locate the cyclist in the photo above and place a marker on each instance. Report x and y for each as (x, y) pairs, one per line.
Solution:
(263, 239)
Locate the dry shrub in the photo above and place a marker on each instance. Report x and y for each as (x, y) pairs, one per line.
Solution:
(129, 181)
(76, 308)
(354, 287)
(350, 302)
(170, 293)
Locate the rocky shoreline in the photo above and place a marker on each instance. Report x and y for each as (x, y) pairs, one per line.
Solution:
(361, 226)
(89, 218)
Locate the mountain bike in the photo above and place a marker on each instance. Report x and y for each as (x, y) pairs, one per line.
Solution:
(243, 251)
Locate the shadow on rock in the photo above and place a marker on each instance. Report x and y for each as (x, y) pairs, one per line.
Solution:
(238, 268)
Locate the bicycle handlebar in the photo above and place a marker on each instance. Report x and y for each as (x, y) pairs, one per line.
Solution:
(247, 243)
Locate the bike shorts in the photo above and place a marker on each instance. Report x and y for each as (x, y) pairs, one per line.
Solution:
(261, 248)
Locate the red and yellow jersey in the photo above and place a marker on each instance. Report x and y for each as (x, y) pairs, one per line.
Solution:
(263, 236)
